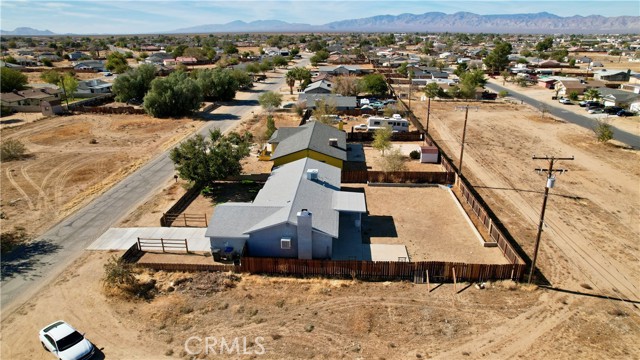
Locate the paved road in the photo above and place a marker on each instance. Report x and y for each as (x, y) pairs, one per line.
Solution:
(584, 121)
(52, 252)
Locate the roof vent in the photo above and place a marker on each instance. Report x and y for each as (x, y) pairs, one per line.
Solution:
(312, 174)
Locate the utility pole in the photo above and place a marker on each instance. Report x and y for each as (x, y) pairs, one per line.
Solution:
(464, 133)
(410, 91)
(428, 114)
(551, 180)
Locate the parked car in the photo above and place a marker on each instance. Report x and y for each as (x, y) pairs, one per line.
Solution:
(565, 101)
(65, 342)
(595, 110)
(587, 103)
(107, 73)
(594, 106)
(377, 104)
(389, 101)
(360, 127)
(625, 113)
(366, 107)
(612, 110)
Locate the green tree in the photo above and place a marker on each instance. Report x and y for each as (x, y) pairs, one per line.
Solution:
(50, 76)
(134, 84)
(217, 84)
(173, 96)
(506, 74)
(382, 139)
(69, 85)
(10, 60)
(592, 94)
(402, 69)
(11, 79)
(229, 49)
(432, 90)
(178, 50)
(290, 78)
(117, 63)
(243, 78)
(374, 84)
(280, 61)
(545, 44)
(271, 127)
(202, 161)
(470, 81)
(270, 100)
(573, 96)
(498, 58)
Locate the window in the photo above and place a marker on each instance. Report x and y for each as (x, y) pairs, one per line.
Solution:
(285, 243)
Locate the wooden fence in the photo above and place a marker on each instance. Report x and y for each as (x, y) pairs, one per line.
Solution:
(110, 110)
(399, 136)
(181, 205)
(164, 244)
(418, 177)
(184, 220)
(438, 271)
(381, 270)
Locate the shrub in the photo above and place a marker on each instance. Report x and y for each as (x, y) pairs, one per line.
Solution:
(603, 131)
(503, 93)
(9, 240)
(12, 150)
(415, 155)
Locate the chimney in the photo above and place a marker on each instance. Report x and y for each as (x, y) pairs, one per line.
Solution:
(305, 248)
(333, 142)
(312, 174)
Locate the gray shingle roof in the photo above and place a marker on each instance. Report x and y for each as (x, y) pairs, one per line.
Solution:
(314, 136)
(286, 192)
(340, 102)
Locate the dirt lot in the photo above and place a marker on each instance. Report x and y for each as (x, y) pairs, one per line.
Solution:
(428, 222)
(65, 170)
(298, 319)
(590, 238)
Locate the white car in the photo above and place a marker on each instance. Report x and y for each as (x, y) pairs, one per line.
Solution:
(65, 342)
(360, 127)
(565, 101)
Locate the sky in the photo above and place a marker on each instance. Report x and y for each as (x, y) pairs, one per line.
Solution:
(147, 16)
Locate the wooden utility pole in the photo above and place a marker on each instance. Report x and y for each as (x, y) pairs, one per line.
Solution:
(464, 133)
(428, 114)
(551, 179)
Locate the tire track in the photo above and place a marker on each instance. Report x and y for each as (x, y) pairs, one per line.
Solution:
(42, 196)
(20, 190)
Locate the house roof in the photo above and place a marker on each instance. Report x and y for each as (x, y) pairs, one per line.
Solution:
(287, 191)
(321, 84)
(338, 100)
(313, 136)
(41, 93)
(349, 201)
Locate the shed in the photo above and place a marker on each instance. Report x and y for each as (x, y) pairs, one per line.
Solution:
(429, 154)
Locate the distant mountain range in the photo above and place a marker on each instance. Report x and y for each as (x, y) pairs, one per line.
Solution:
(440, 22)
(27, 31)
(543, 22)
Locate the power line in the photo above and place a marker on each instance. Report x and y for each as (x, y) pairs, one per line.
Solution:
(551, 180)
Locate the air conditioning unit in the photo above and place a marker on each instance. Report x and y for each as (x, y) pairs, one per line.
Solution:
(285, 243)
(312, 174)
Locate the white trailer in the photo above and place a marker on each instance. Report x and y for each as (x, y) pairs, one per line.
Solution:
(396, 123)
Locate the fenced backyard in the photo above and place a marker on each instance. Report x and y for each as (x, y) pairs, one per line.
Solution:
(164, 245)
(416, 177)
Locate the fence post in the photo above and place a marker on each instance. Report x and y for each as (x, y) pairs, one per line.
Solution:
(162, 243)
(184, 215)
(455, 283)
(186, 246)
(428, 287)
(139, 246)
(206, 222)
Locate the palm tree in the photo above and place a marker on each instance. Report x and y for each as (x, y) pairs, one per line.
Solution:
(291, 80)
(592, 94)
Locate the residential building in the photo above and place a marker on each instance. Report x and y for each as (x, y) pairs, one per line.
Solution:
(314, 139)
(29, 100)
(612, 75)
(299, 213)
(319, 87)
(93, 87)
(340, 102)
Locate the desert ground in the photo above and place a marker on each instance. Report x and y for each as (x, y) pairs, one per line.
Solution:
(74, 158)
(588, 256)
